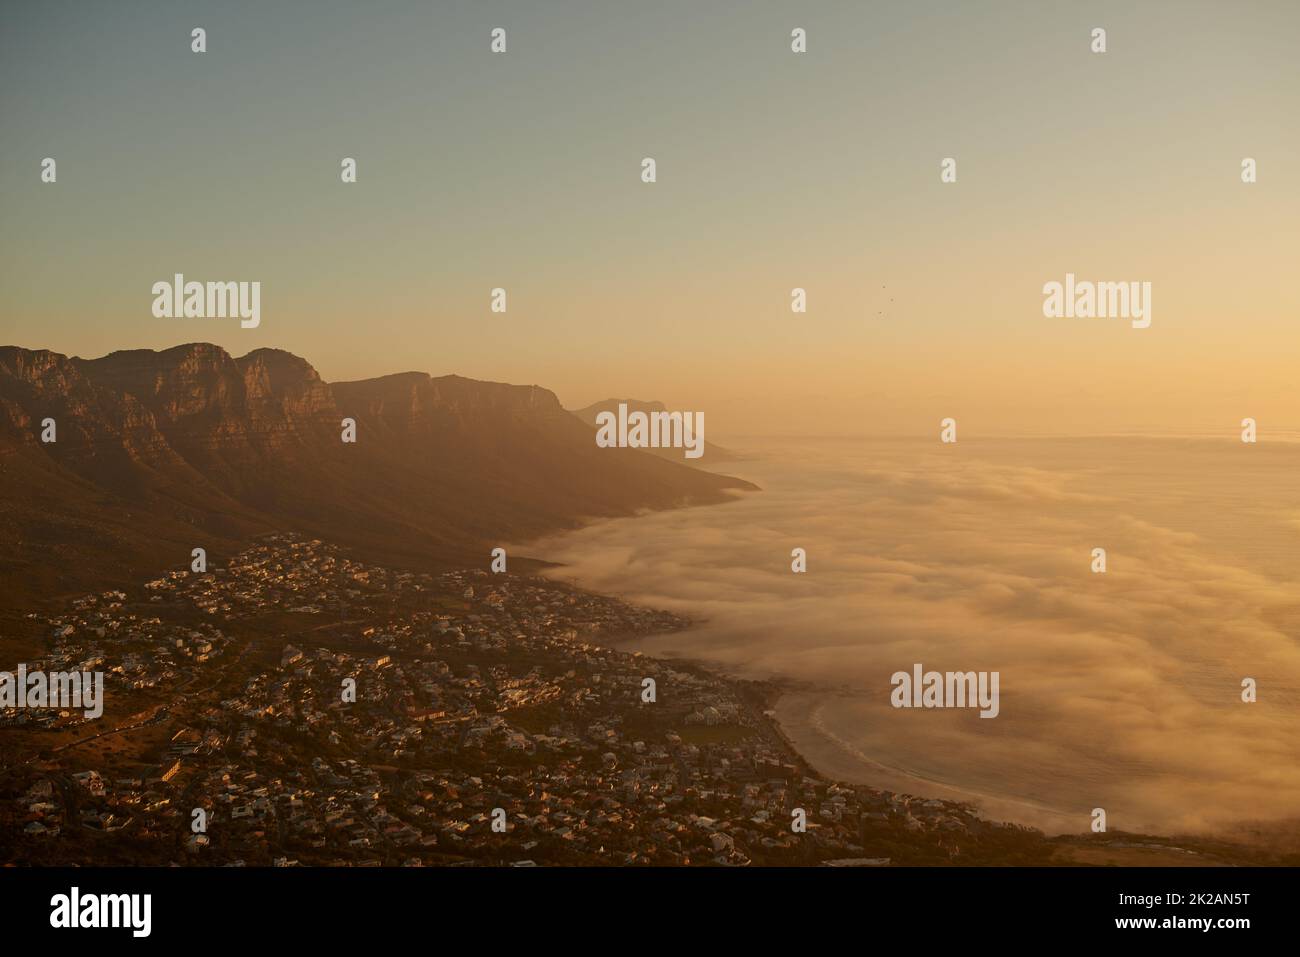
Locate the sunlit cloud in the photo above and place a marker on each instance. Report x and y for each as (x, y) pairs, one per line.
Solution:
(1120, 690)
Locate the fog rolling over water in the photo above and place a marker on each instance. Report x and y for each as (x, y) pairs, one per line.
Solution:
(1119, 690)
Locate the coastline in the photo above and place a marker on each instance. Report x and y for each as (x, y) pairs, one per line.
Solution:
(798, 714)
(790, 710)
(771, 758)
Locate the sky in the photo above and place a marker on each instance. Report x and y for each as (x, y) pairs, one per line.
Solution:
(775, 170)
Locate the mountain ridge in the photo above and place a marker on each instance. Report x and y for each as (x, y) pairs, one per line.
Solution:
(712, 453)
(161, 451)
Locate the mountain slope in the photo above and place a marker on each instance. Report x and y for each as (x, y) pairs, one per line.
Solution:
(158, 452)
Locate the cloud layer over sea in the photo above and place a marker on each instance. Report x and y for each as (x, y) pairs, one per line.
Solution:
(1119, 690)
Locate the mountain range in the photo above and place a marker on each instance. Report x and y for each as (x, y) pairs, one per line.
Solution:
(158, 452)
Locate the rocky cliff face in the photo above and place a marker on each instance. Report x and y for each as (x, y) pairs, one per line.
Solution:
(415, 404)
(202, 399)
(96, 425)
(156, 449)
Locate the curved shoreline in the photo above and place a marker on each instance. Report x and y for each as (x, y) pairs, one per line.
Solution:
(795, 715)
(800, 717)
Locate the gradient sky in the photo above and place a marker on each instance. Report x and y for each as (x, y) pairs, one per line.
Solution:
(775, 170)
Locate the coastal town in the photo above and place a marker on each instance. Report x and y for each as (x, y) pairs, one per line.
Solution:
(291, 706)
